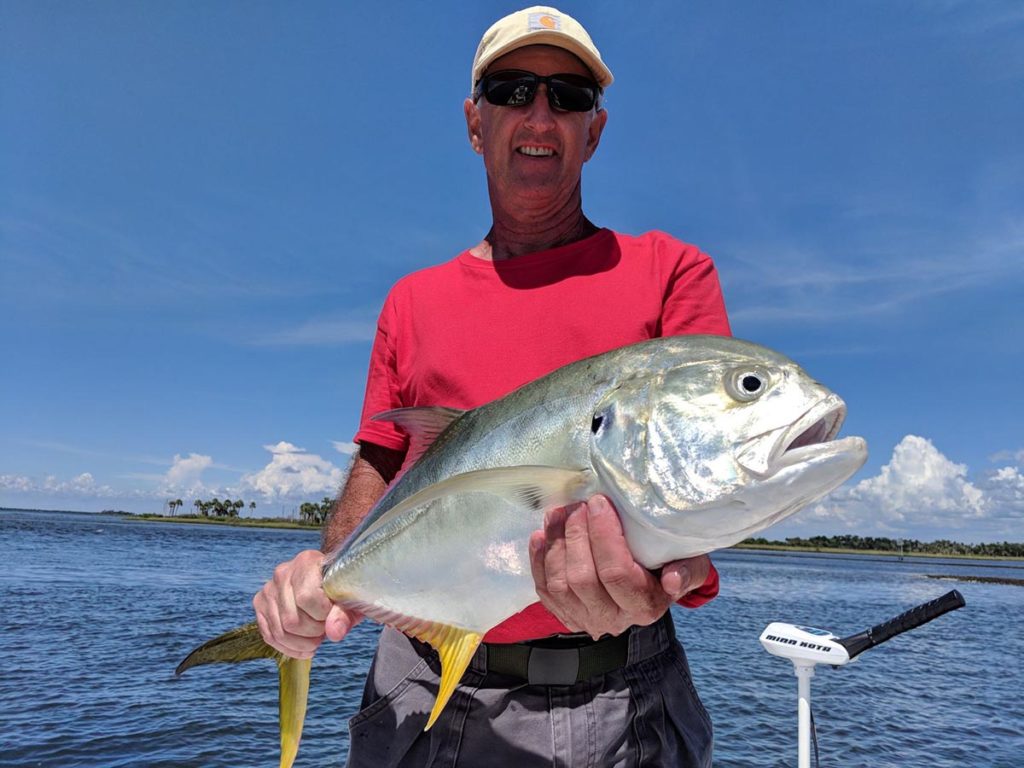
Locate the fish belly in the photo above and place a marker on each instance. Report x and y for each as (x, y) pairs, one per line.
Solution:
(462, 560)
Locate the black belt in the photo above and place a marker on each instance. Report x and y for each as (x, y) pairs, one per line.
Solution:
(559, 660)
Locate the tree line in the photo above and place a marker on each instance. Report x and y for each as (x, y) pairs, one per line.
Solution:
(310, 513)
(898, 546)
(315, 513)
(213, 508)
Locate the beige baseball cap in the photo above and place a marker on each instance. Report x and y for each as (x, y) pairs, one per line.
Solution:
(539, 25)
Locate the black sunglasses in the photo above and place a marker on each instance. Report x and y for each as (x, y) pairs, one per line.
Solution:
(517, 87)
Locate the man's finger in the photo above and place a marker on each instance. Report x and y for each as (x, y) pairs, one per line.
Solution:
(681, 577)
(554, 552)
(537, 545)
(340, 622)
(294, 620)
(629, 584)
(276, 636)
(581, 572)
(612, 558)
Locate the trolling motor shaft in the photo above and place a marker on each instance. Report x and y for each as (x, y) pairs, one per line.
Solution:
(807, 647)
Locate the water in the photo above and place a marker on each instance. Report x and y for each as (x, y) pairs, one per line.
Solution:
(95, 612)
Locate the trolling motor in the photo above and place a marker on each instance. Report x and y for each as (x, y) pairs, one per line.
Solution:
(807, 647)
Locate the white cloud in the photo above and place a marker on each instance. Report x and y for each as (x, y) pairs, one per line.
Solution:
(1016, 457)
(20, 483)
(344, 447)
(920, 489)
(80, 486)
(185, 474)
(294, 473)
(1004, 490)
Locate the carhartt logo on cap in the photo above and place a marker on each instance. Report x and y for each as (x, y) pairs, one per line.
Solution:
(543, 21)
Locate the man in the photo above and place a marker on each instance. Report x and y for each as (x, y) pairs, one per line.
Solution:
(592, 674)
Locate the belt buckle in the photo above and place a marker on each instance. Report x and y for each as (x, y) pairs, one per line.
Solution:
(553, 666)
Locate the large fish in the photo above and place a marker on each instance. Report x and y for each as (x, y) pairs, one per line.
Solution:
(699, 441)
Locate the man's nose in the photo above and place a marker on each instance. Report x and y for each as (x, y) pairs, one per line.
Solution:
(539, 113)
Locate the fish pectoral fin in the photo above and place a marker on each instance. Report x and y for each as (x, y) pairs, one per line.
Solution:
(533, 487)
(245, 643)
(293, 692)
(456, 647)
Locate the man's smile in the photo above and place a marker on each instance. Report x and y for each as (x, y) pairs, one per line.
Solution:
(536, 151)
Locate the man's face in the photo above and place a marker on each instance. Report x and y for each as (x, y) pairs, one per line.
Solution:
(534, 150)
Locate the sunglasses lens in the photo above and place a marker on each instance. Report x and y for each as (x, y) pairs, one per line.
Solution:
(510, 89)
(515, 88)
(573, 95)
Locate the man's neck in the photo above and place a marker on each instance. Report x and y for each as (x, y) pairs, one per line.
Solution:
(518, 232)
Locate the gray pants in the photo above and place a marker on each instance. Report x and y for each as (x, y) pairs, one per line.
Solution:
(645, 714)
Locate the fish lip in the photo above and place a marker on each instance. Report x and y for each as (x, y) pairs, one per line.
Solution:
(810, 435)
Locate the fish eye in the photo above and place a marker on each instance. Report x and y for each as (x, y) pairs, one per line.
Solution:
(751, 383)
(746, 385)
(595, 423)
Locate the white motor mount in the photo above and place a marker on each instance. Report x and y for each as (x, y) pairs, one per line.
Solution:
(807, 647)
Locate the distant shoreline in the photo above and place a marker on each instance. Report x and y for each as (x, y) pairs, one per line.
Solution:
(869, 552)
(245, 522)
(276, 522)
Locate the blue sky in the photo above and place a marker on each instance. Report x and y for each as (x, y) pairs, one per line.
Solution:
(203, 205)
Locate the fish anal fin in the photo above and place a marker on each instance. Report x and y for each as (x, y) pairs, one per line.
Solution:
(293, 676)
(454, 645)
(423, 424)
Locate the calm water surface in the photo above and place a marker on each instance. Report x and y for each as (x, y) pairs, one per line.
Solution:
(95, 612)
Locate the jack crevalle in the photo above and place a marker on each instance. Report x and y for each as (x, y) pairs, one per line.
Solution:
(699, 442)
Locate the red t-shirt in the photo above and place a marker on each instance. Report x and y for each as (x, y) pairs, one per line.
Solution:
(469, 331)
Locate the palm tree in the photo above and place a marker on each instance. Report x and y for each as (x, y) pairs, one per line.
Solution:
(198, 504)
(308, 513)
(236, 506)
(177, 504)
(252, 507)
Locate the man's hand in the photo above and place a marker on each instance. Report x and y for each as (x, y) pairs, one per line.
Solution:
(294, 614)
(587, 577)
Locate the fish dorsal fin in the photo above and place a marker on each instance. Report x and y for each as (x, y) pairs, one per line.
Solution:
(533, 487)
(423, 424)
(454, 645)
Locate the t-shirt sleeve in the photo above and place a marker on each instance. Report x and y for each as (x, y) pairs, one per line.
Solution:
(704, 593)
(382, 390)
(693, 300)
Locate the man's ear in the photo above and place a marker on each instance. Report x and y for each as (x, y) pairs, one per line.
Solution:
(594, 132)
(473, 126)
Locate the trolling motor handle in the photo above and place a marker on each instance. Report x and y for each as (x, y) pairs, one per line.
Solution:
(915, 617)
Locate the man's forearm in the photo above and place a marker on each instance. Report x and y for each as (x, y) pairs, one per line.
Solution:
(372, 469)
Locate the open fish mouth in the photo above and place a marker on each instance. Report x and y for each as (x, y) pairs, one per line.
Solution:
(809, 437)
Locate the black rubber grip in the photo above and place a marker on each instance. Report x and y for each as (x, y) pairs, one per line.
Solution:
(915, 617)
